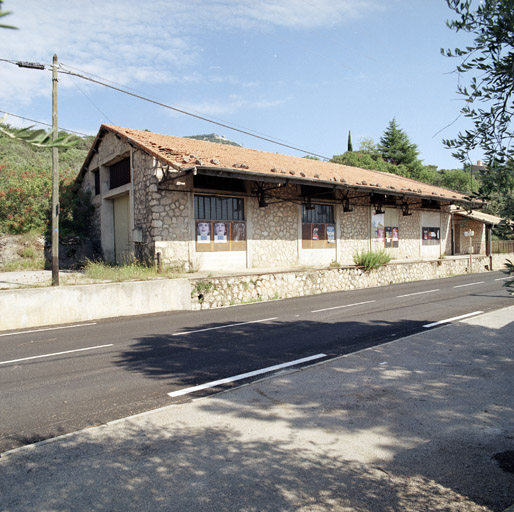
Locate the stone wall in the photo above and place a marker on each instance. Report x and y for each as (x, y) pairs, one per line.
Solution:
(273, 232)
(478, 240)
(225, 291)
(410, 235)
(355, 229)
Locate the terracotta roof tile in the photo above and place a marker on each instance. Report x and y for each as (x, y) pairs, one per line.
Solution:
(182, 153)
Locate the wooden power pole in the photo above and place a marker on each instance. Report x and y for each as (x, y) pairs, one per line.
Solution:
(55, 181)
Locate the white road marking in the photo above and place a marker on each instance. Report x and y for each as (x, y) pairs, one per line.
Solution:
(345, 306)
(215, 383)
(418, 293)
(47, 329)
(224, 326)
(469, 284)
(503, 278)
(55, 354)
(453, 319)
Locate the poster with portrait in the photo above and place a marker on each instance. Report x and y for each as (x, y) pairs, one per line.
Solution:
(203, 232)
(388, 236)
(377, 226)
(331, 234)
(220, 232)
(396, 236)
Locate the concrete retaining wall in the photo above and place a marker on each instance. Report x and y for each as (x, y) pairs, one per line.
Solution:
(21, 309)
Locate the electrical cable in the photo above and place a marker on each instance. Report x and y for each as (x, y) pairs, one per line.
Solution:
(164, 105)
(185, 112)
(63, 65)
(44, 124)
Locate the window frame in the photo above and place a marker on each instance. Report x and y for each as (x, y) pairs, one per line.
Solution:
(318, 226)
(213, 211)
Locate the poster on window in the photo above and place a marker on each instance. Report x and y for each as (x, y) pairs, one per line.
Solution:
(220, 233)
(331, 234)
(388, 230)
(203, 232)
(238, 232)
(395, 236)
(377, 226)
(431, 233)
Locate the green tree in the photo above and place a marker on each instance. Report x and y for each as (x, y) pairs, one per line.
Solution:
(367, 145)
(350, 145)
(5, 13)
(488, 65)
(365, 160)
(396, 148)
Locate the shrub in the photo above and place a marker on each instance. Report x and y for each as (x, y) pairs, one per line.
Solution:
(371, 260)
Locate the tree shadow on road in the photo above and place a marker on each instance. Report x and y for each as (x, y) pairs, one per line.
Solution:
(408, 426)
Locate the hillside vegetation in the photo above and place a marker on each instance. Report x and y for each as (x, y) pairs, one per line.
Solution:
(26, 186)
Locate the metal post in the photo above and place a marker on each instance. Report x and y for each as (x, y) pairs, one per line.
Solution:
(55, 181)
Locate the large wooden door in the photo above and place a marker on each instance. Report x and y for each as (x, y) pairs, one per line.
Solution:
(121, 230)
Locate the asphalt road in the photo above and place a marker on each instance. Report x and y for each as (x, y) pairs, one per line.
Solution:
(58, 380)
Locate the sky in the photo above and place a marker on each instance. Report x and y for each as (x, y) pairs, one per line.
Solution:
(302, 72)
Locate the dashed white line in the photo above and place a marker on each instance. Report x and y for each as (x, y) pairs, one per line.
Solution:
(503, 278)
(215, 383)
(418, 293)
(224, 326)
(47, 329)
(345, 306)
(469, 284)
(448, 320)
(54, 354)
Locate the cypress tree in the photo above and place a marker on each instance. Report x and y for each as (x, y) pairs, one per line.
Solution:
(350, 147)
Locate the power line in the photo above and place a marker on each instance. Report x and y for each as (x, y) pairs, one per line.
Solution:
(164, 105)
(253, 132)
(185, 112)
(44, 124)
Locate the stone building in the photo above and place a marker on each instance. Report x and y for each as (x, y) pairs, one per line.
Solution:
(204, 206)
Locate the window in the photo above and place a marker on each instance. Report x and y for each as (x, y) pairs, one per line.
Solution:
(217, 183)
(318, 227)
(96, 175)
(119, 173)
(430, 235)
(219, 224)
(384, 228)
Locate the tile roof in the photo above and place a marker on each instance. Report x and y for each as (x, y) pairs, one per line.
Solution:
(183, 153)
(480, 216)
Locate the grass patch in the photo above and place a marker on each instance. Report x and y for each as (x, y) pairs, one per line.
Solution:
(130, 272)
(36, 263)
(371, 260)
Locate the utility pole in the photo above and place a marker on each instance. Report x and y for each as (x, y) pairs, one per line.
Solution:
(55, 181)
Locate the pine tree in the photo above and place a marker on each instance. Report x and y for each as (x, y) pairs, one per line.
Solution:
(350, 146)
(396, 148)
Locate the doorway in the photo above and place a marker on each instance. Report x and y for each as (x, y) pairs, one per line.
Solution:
(121, 212)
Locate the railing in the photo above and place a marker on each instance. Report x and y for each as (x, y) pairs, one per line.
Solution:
(502, 246)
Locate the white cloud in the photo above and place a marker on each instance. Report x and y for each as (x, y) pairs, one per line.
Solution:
(134, 43)
(230, 105)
